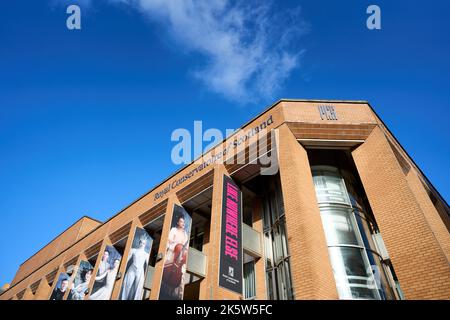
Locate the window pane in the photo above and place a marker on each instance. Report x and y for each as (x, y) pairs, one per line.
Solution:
(353, 274)
(288, 280)
(268, 249)
(278, 244)
(366, 232)
(266, 220)
(270, 285)
(382, 283)
(281, 282)
(330, 188)
(339, 226)
(273, 208)
(249, 280)
(284, 239)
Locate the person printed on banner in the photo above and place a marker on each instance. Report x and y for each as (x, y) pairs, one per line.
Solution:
(60, 290)
(175, 265)
(133, 283)
(78, 292)
(104, 293)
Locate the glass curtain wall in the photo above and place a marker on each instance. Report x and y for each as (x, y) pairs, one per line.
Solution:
(356, 263)
(278, 272)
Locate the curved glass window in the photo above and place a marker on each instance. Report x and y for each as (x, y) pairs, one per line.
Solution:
(356, 264)
(330, 187)
(353, 274)
(339, 225)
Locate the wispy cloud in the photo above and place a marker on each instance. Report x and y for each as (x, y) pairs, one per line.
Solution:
(249, 48)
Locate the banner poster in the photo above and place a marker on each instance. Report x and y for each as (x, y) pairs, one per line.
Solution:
(137, 263)
(172, 283)
(230, 265)
(80, 285)
(106, 274)
(62, 284)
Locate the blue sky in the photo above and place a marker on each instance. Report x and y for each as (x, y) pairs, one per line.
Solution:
(86, 116)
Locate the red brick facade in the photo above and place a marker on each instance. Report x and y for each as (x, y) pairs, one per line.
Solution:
(412, 217)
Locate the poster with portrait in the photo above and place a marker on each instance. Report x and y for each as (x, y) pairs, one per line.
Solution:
(106, 274)
(62, 284)
(80, 284)
(172, 283)
(137, 263)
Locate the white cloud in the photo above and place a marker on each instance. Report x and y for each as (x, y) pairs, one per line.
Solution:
(249, 49)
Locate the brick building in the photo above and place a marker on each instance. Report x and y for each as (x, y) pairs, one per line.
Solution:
(346, 215)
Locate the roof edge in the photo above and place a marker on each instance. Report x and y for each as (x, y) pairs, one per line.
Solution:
(61, 233)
